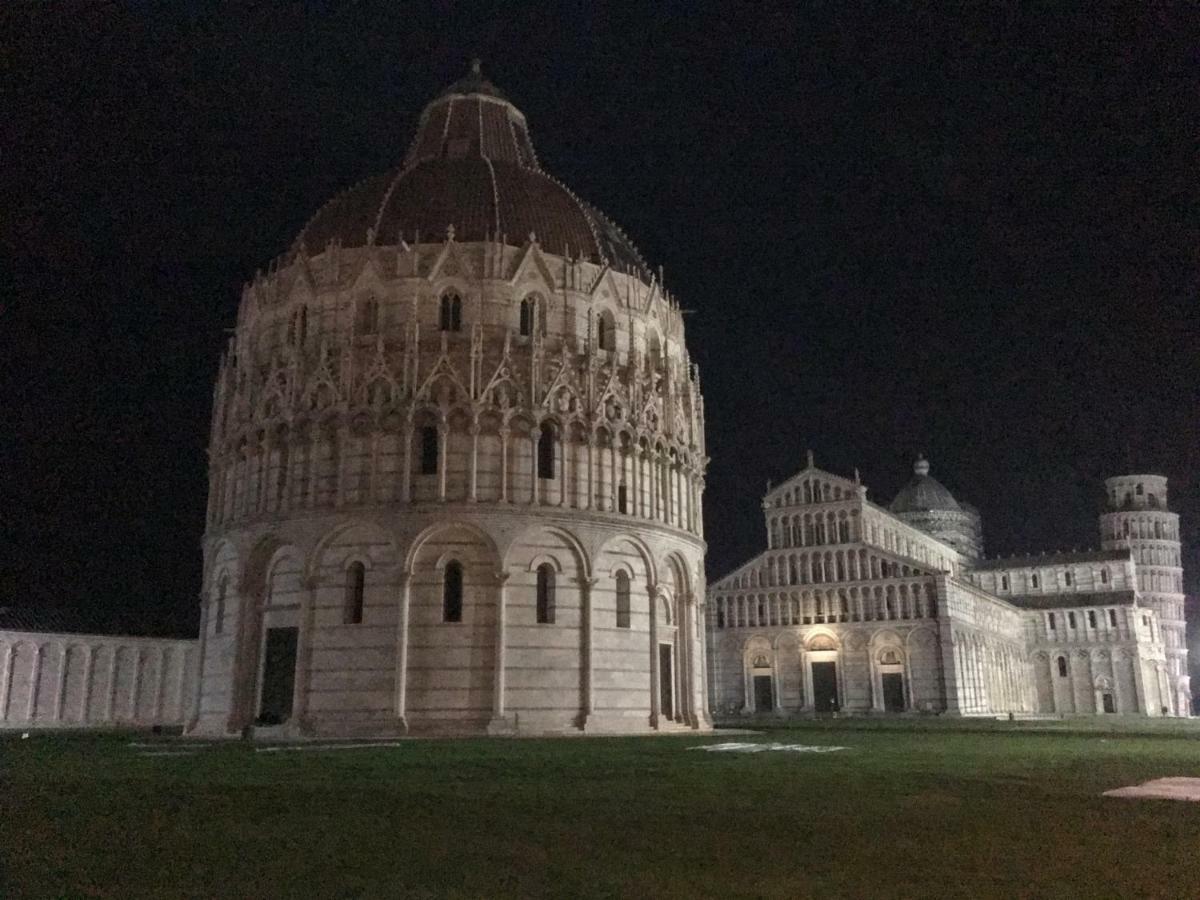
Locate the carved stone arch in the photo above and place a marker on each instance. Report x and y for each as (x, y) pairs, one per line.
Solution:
(541, 559)
(435, 529)
(331, 537)
(821, 639)
(885, 637)
(259, 562)
(639, 547)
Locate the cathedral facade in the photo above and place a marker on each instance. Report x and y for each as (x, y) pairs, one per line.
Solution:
(456, 464)
(858, 608)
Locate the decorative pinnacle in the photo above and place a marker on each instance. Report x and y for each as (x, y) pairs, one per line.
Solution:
(476, 65)
(921, 466)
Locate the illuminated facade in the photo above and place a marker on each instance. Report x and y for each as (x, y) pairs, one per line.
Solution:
(858, 608)
(456, 464)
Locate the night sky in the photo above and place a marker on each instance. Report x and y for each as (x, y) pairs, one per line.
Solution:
(975, 237)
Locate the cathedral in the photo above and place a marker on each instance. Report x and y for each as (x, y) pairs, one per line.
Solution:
(456, 464)
(854, 607)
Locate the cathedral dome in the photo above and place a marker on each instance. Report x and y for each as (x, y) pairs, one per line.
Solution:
(923, 492)
(472, 168)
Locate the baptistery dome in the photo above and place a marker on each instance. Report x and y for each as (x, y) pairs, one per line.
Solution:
(456, 463)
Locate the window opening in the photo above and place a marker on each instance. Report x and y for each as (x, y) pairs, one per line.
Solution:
(450, 318)
(623, 603)
(545, 594)
(356, 577)
(429, 450)
(452, 592)
(545, 452)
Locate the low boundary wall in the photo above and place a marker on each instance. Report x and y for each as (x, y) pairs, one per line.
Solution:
(51, 680)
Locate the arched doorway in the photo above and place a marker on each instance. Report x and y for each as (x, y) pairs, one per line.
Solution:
(822, 656)
(891, 680)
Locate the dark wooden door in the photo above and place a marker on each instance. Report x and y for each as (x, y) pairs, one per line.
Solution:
(1109, 705)
(825, 696)
(279, 676)
(763, 699)
(893, 692)
(666, 692)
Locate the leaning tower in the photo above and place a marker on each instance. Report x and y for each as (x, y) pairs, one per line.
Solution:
(1138, 518)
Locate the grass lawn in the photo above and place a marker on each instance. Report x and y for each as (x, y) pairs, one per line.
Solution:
(910, 809)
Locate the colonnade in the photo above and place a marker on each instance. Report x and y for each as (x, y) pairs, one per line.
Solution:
(294, 472)
(907, 600)
(991, 675)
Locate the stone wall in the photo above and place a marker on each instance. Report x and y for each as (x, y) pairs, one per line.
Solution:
(94, 681)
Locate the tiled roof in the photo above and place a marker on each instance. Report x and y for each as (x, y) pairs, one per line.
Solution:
(471, 166)
(1051, 559)
(1071, 601)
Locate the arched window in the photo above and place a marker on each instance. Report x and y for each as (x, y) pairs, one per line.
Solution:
(1112, 618)
(429, 450)
(1062, 667)
(1091, 618)
(532, 320)
(1068, 578)
(368, 315)
(219, 612)
(545, 594)
(1104, 576)
(356, 577)
(545, 451)
(450, 317)
(606, 331)
(1152, 500)
(1158, 529)
(654, 351)
(452, 592)
(298, 327)
(1004, 582)
(1140, 490)
(1053, 622)
(1034, 580)
(623, 603)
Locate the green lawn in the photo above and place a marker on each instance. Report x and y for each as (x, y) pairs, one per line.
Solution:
(911, 809)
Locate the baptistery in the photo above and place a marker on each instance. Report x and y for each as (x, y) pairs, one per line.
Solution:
(456, 463)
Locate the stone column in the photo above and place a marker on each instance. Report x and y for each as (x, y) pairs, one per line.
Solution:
(303, 656)
(89, 674)
(534, 480)
(587, 667)
(652, 592)
(373, 491)
(504, 465)
(60, 683)
(35, 676)
(473, 488)
(198, 686)
(443, 458)
(591, 453)
(402, 649)
(500, 722)
(406, 486)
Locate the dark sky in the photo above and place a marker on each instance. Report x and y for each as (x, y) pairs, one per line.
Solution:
(971, 236)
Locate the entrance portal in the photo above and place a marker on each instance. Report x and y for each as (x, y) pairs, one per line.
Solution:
(278, 676)
(825, 695)
(1109, 705)
(893, 692)
(666, 682)
(763, 694)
